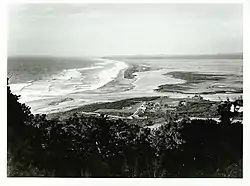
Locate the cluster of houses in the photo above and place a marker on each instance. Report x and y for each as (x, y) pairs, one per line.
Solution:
(150, 107)
(140, 111)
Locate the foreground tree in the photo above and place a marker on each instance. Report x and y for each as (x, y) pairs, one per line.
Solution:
(19, 135)
(87, 146)
(228, 110)
(17, 114)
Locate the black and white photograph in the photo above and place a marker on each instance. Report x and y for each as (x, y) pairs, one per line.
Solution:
(125, 90)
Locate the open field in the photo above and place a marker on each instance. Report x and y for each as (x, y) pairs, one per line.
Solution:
(156, 108)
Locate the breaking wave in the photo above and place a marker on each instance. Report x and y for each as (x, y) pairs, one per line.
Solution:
(69, 81)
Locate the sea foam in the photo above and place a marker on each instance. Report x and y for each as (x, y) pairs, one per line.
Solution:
(69, 81)
(108, 74)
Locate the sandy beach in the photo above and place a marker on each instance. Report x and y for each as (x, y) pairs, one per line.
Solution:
(140, 81)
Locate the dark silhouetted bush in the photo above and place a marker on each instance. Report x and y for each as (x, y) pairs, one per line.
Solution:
(87, 146)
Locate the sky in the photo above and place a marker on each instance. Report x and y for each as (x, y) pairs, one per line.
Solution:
(124, 29)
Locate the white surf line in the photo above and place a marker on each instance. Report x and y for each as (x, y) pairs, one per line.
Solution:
(30, 83)
(120, 65)
(50, 86)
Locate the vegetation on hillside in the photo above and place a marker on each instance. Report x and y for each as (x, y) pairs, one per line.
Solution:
(88, 146)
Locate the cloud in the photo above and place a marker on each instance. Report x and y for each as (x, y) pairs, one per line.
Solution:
(98, 29)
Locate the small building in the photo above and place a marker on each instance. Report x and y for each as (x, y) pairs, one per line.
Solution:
(239, 109)
(198, 97)
(141, 110)
(157, 104)
(232, 108)
(183, 103)
(170, 109)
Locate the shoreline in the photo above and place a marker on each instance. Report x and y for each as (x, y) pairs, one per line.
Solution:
(123, 91)
(136, 81)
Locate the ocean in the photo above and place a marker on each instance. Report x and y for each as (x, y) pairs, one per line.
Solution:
(40, 78)
(52, 84)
